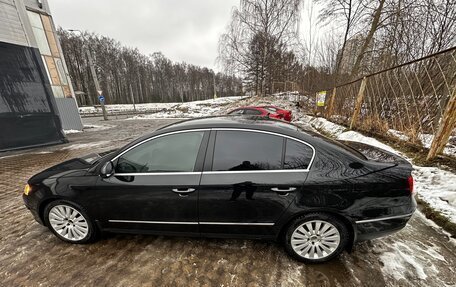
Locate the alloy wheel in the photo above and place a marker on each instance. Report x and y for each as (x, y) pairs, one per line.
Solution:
(315, 239)
(68, 222)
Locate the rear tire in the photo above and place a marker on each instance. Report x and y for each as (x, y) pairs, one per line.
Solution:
(69, 222)
(316, 238)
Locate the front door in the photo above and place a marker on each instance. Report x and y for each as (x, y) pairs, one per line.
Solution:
(250, 182)
(154, 187)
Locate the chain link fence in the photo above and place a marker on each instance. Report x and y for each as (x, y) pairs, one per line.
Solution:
(414, 101)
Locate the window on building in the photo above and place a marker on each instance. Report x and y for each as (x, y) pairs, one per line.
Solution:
(39, 33)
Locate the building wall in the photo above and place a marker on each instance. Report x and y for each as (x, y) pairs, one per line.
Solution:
(11, 30)
(32, 74)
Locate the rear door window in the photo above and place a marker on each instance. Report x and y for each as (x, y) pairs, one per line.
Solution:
(244, 150)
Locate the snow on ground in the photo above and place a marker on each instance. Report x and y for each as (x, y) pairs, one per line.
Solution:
(399, 261)
(86, 145)
(426, 141)
(67, 132)
(163, 110)
(98, 127)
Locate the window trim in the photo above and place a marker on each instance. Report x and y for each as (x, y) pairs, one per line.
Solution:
(212, 146)
(203, 142)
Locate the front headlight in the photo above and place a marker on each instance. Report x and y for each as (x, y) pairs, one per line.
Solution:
(27, 189)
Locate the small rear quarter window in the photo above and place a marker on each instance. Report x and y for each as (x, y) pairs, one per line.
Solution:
(297, 155)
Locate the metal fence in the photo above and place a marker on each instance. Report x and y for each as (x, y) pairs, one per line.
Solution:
(414, 101)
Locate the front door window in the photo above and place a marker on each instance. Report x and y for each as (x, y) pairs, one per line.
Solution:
(169, 153)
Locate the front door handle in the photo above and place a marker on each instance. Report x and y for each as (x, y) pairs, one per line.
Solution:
(283, 191)
(183, 191)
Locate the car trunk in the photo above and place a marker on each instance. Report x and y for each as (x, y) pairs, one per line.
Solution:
(376, 154)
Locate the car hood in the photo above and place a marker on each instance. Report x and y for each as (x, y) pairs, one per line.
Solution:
(73, 167)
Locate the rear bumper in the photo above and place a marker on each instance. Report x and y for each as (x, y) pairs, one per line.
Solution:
(379, 227)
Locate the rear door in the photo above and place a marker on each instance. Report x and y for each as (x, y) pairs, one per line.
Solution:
(248, 182)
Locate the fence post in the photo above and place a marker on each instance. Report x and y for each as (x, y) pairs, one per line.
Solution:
(359, 102)
(331, 104)
(446, 126)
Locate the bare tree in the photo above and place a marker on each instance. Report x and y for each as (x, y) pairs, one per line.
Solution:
(256, 27)
(128, 76)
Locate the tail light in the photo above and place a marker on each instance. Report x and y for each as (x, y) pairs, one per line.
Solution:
(410, 184)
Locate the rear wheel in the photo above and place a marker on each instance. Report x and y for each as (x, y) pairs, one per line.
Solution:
(69, 222)
(316, 237)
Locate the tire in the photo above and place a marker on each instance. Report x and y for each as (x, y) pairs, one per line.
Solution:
(326, 235)
(70, 222)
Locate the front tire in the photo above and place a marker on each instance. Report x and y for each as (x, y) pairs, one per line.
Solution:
(69, 222)
(316, 238)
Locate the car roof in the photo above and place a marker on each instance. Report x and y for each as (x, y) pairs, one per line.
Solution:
(242, 122)
(233, 121)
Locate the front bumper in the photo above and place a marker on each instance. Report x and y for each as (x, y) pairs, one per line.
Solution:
(32, 205)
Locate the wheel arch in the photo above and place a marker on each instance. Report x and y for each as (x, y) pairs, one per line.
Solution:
(42, 207)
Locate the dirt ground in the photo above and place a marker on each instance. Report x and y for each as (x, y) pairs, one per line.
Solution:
(419, 255)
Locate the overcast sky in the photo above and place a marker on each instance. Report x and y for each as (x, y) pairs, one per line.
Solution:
(183, 30)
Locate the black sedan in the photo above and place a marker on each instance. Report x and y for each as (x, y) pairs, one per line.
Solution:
(230, 177)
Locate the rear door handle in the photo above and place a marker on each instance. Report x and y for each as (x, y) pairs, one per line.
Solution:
(288, 189)
(183, 191)
(283, 191)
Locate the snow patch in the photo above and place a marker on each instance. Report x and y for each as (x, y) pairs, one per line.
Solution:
(94, 128)
(398, 263)
(357, 137)
(438, 188)
(87, 145)
(67, 132)
(398, 134)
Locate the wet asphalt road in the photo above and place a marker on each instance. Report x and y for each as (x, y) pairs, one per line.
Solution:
(419, 255)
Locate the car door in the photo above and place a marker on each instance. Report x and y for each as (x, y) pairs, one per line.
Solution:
(248, 182)
(154, 185)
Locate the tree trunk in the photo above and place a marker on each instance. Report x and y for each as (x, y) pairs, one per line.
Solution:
(368, 39)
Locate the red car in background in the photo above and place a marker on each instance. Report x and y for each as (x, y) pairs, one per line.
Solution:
(286, 114)
(264, 111)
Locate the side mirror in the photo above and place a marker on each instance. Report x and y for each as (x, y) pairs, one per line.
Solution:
(107, 169)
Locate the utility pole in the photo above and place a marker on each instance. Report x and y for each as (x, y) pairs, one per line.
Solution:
(215, 90)
(132, 98)
(94, 76)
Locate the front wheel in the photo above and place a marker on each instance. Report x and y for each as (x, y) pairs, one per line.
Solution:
(69, 222)
(316, 237)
